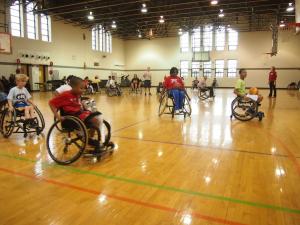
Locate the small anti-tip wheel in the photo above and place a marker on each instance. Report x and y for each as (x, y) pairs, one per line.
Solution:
(231, 117)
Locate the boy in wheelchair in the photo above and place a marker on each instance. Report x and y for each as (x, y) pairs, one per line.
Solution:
(240, 91)
(19, 99)
(69, 103)
(202, 87)
(175, 87)
(112, 86)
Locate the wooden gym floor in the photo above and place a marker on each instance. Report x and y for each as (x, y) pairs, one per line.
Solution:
(204, 170)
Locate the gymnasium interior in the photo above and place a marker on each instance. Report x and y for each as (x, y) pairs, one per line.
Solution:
(221, 158)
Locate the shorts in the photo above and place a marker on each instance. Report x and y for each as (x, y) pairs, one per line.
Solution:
(87, 120)
(20, 104)
(147, 83)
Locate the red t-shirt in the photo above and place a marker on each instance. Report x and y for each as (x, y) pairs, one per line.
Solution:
(172, 82)
(70, 103)
(272, 76)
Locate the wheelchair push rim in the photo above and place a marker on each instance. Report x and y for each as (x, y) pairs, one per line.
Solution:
(7, 123)
(67, 145)
(244, 109)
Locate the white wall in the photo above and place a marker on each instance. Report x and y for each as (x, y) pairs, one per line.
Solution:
(67, 49)
(162, 54)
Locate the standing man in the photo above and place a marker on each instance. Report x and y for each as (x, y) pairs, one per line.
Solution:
(272, 82)
(147, 81)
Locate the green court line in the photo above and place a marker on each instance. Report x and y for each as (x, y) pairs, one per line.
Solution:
(158, 186)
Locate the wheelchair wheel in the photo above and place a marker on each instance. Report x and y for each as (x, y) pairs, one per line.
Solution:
(187, 106)
(66, 145)
(202, 95)
(163, 103)
(7, 123)
(41, 121)
(244, 109)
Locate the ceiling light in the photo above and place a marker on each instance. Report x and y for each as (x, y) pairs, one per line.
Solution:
(290, 8)
(221, 14)
(113, 25)
(90, 16)
(139, 35)
(144, 8)
(180, 31)
(214, 2)
(161, 20)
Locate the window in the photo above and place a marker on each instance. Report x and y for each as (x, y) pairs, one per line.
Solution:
(195, 69)
(207, 38)
(219, 68)
(101, 40)
(184, 42)
(31, 20)
(232, 67)
(207, 69)
(220, 38)
(196, 41)
(16, 20)
(184, 68)
(46, 28)
(232, 39)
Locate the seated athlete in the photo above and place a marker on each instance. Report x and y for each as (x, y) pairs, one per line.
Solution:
(70, 103)
(65, 87)
(175, 86)
(195, 83)
(240, 87)
(135, 83)
(203, 87)
(20, 99)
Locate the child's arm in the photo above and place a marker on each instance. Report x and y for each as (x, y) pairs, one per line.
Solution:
(236, 91)
(10, 106)
(31, 102)
(55, 111)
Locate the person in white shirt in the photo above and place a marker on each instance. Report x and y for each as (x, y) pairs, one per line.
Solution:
(65, 87)
(147, 81)
(203, 87)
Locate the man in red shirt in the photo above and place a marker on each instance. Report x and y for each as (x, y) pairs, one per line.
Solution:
(70, 103)
(272, 81)
(175, 87)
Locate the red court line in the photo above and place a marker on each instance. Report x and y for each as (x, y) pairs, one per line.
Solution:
(120, 198)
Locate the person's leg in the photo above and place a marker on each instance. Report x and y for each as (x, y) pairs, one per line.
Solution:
(31, 111)
(274, 87)
(175, 93)
(270, 87)
(211, 92)
(27, 112)
(181, 96)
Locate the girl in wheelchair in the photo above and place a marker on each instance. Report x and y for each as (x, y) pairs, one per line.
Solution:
(19, 99)
(175, 87)
(69, 103)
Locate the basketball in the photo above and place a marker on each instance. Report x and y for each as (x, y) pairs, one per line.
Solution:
(253, 91)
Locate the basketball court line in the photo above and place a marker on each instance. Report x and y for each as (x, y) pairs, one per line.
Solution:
(131, 125)
(120, 198)
(216, 148)
(157, 186)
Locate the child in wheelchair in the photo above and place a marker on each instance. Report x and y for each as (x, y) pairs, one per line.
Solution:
(70, 103)
(175, 87)
(20, 99)
(240, 91)
(202, 86)
(135, 84)
(112, 86)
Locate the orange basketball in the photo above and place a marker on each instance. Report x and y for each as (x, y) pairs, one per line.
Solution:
(253, 91)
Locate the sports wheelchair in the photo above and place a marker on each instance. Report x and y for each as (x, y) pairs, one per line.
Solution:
(166, 105)
(203, 93)
(245, 109)
(14, 122)
(68, 139)
(113, 91)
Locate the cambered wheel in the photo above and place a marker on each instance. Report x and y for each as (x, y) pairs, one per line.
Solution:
(7, 123)
(244, 109)
(66, 146)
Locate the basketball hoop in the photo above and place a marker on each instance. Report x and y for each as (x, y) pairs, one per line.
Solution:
(290, 26)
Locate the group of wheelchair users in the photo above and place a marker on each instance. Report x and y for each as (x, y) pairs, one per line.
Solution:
(72, 114)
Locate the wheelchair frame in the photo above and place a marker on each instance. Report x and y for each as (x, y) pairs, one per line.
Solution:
(248, 108)
(16, 121)
(113, 91)
(73, 126)
(203, 94)
(164, 104)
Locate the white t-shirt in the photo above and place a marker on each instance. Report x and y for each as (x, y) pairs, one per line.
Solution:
(111, 83)
(202, 84)
(18, 95)
(63, 88)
